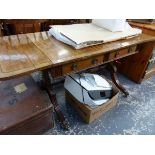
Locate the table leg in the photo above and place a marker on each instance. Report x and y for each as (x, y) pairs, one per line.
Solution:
(113, 71)
(47, 86)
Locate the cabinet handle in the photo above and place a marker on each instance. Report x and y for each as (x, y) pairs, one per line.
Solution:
(116, 54)
(132, 49)
(74, 67)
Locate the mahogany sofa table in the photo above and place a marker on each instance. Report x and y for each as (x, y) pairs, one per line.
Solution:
(24, 54)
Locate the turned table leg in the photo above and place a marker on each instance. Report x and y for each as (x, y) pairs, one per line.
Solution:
(47, 86)
(113, 71)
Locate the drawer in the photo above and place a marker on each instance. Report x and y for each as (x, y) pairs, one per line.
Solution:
(116, 55)
(121, 53)
(112, 56)
(133, 49)
(82, 64)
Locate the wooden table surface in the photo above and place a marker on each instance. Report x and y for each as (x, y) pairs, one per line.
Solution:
(146, 28)
(26, 53)
(142, 25)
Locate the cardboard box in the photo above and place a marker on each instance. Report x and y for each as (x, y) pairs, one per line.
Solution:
(24, 108)
(87, 113)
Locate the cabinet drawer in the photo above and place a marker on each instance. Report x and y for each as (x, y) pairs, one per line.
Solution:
(82, 64)
(121, 53)
(133, 49)
(112, 56)
(116, 55)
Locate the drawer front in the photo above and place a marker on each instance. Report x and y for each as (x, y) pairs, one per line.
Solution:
(116, 55)
(133, 49)
(91, 62)
(120, 53)
(112, 56)
(82, 64)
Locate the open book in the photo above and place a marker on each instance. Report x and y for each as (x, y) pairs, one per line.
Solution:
(84, 35)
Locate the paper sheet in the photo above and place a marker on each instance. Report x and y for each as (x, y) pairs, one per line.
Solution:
(89, 33)
(114, 25)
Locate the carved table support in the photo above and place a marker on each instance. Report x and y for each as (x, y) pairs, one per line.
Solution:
(47, 86)
(113, 71)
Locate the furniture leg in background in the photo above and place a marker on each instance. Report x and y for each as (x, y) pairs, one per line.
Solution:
(47, 86)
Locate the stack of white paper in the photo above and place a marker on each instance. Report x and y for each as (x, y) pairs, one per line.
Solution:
(113, 25)
(83, 35)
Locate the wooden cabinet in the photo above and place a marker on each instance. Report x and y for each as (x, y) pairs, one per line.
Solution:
(20, 26)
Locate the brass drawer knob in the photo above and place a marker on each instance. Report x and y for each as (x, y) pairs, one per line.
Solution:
(132, 49)
(116, 54)
(74, 67)
(94, 61)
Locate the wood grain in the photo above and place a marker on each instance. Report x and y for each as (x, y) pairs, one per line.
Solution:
(60, 53)
(141, 25)
(150, 30)
(135, 66)
(19, 55)
(26, 53)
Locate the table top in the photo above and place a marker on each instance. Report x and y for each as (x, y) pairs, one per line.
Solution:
(26, 53)
(142, 25)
